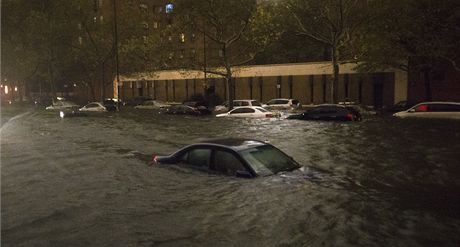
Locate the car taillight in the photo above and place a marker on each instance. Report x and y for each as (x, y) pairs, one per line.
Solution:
(350, 116)
(269, 115)
(153, 161)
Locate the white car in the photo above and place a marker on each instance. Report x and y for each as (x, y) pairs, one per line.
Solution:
(62, 105)
(239, 103)
(283, 104)
(449, 110)
(249, 112)
(152, 104)
(93, 107)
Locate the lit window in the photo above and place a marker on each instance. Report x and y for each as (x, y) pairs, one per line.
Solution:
(169, 8)
(169, 38)
(182, 37)
(155, 24)
(171, 55)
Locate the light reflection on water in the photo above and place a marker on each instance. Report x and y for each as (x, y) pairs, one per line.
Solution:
(380, 182)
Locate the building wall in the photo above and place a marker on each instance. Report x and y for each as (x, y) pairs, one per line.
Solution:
(309, 83)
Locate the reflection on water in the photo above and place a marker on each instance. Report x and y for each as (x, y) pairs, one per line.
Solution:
(84, 181)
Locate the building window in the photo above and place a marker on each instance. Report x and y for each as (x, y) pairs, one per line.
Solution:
(221, 53)
(169, 8)
(182, 38)
(155, 25)
(145, 25)
(170, 38)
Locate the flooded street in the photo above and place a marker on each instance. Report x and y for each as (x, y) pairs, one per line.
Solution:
(84, 181)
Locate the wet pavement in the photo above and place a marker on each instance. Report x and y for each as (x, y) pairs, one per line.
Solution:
(84, 181)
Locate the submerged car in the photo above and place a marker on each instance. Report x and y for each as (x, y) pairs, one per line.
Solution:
(62, 105)
(329, 112)
(93, 107)
(449, 110)
(186, 110)
(283, 104)
(249, 112)
(152, 104)
(234, 157)
(112, 104)
(239, 103)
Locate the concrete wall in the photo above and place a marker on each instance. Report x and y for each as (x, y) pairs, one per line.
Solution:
(309, 83)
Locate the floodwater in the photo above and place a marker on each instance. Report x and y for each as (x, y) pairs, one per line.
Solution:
(84, 181)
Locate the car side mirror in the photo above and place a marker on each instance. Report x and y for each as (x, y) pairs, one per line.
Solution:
(243, 174)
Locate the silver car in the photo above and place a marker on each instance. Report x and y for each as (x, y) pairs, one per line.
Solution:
(450, 110)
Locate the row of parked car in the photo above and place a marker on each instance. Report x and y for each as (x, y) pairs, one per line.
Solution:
(344, 111)
(65, 105)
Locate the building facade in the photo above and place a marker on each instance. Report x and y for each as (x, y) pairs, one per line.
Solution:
(307, 82)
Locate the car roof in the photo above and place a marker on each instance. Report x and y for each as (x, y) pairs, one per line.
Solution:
(236, 144)
(438, 102)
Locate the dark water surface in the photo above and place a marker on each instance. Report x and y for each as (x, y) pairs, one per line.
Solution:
(85, 182)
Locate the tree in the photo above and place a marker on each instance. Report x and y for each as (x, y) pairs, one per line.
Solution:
(416, 36)
(332, 23)
(234, 31)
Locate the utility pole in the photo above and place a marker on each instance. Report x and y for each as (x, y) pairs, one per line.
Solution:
(204, 55)
(116, 44)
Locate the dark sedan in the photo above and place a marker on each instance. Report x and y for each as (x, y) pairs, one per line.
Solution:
(234, 157)
(187, 110)
(329, 112)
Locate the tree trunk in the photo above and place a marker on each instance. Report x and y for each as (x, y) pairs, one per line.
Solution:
(335, 74)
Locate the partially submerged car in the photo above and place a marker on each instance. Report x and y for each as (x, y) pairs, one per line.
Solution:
(112, 104)
(448, 110)
(249, 112)
(283, 104)
(234, 157)
(62, 105)
(93, 107)
(329, 112)
(239, 103)
(152, 104)
(187, 110)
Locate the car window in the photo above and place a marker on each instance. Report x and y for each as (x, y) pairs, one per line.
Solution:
(268, 159)
(281, 102)
(237, 103)
(255, 103)
(93, 105)
(197, 157)
(295, 102)
(227, 163)
(444, 108)
(261, 109)
(421, 108)
(242, 110)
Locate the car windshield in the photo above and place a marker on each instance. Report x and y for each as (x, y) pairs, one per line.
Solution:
(267, 160)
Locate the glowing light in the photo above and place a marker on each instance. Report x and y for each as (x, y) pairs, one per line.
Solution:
(169, 8)
(61, 114)
(6, 90)
(15, 88)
